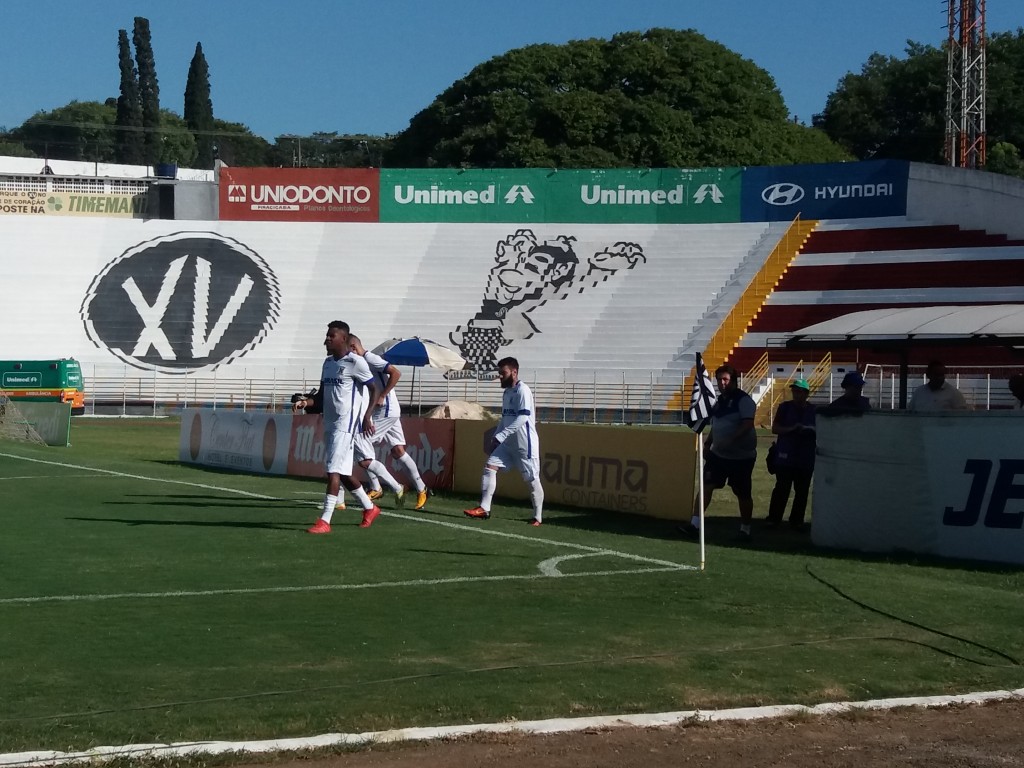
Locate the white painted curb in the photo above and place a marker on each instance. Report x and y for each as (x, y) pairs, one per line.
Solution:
(558, 725)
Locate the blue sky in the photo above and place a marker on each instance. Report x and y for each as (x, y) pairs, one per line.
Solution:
(368, 66)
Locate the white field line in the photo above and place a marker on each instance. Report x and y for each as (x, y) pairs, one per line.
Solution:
(44, 477)
(546, 571)
(558, 725)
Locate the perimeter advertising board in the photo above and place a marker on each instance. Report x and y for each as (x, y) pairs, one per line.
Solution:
(948, 484)
(620, 469)
(299, 194)
(826, 191)
(35, 203)
(613, 196)
(288, 444)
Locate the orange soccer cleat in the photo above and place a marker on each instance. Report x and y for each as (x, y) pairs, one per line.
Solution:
(320, 526)
(421, 499)
(369, 515)
(478, 512)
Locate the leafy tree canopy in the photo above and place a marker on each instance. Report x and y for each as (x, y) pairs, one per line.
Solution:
(662, 98)
(329, 150)
(895, 108)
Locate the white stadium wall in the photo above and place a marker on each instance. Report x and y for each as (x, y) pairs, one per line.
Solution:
(240, 300)
(971, 199)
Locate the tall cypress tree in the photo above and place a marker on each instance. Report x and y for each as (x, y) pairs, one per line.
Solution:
(149, 89)
(129, 147)
(199, 107)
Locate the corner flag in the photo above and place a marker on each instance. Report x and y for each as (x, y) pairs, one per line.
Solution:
(702, 398)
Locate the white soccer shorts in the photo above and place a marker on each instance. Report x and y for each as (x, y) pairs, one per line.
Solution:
(509, 456)
(339, 448)
(388, 432)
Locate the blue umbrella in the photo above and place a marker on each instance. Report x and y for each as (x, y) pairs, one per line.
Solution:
(419, 352)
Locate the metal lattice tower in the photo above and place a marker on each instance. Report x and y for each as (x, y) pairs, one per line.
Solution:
(965, 84)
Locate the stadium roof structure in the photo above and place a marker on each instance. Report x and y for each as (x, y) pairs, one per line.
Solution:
(900, 329)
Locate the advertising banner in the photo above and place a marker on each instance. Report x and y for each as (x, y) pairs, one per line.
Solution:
(299, 194)
(947, 484)
(621, 469)
(51, 421)
(74, 204)
(430, 443)
(239, 440)
(827, 191)
(615, 196)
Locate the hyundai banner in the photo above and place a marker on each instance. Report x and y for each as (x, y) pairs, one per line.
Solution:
(827, 191)
(299, 194)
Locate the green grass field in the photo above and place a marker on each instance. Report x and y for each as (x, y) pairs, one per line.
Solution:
(142, 600)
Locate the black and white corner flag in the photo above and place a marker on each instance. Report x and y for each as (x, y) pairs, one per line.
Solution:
(702, 398)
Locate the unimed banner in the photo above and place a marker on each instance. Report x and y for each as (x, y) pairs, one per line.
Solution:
(299, 194)
(622, 469)
(611, 196)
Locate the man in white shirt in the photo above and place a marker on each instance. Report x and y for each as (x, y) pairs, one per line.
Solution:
(342, 380)
(938, 394)
(387, 423)
(514, 444)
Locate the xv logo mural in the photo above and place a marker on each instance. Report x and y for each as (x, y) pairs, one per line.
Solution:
(182, 302)
(526, 275)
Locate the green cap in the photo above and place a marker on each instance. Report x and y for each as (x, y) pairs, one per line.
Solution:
(801, 384)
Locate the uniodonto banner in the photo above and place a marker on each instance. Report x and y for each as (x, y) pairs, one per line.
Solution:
(298, 194)
(74, 204)
(607, 196)
(948, 484)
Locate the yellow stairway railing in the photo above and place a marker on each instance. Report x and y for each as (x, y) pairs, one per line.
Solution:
(735, 325)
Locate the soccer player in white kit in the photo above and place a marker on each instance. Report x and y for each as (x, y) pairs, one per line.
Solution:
(342, 380)
(387, 424)
(515, 443)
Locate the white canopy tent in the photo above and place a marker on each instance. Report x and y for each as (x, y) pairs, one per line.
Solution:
(901, 329)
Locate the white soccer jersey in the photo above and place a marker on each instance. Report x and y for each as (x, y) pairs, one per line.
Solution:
(518, 423)
(342, 382)
(380, 368)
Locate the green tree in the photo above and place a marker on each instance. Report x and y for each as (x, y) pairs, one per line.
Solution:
(895, 108)
(81, 130)
(177, 142)
(128, 120)
(657, 98)
(237, 145)
(199, 107)
(149, 89)
(329, 150)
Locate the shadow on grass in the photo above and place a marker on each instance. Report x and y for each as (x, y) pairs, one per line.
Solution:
(196, 523)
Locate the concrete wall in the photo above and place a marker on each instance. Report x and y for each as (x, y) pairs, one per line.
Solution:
(972, 199)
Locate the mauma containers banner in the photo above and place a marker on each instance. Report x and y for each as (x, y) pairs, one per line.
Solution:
(828, 191)
(298, 194)
(614, 196)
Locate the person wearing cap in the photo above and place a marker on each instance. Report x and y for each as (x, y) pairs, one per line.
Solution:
(794, 425)
(851, 402)
(937, 394)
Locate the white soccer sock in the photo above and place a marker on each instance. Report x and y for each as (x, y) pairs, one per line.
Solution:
(487, 486)
(378, 470)
(362, 498)
(695, 521)
(537, 497)
(412, 471)
(372, 480)
(329, 503)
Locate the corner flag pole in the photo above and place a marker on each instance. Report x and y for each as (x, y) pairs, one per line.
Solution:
(700, 492)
